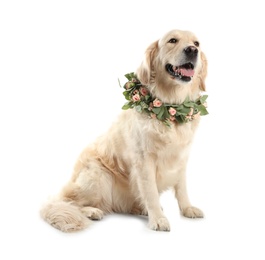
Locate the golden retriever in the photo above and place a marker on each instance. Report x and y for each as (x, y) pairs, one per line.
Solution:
(139, 157)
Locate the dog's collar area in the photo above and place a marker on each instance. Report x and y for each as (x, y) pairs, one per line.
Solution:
(183, 72)
(139, 97)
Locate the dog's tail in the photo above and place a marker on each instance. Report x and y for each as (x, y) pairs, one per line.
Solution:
(64, 216)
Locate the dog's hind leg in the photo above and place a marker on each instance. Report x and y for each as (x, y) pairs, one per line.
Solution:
(87, 196)
(91, 190)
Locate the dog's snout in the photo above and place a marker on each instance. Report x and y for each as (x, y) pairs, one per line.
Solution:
(191, 51)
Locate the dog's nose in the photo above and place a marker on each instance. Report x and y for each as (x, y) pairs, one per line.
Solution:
(191, 51)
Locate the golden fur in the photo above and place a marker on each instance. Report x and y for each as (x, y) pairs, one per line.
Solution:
(126, 169)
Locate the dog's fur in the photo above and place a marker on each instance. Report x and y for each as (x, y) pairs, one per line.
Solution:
(128, 168)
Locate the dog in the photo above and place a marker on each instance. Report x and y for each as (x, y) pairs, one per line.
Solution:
(144, 152)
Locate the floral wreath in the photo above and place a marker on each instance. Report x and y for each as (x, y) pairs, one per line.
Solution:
(140, 98)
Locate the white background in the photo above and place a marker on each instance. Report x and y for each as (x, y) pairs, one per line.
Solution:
(59, 65)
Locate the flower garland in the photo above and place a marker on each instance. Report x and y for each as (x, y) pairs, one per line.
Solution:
(139, 97)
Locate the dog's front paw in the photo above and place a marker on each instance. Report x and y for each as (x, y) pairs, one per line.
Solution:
(192, 212)
(159, 224)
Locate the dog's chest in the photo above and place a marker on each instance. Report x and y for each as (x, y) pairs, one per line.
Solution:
(173, 156)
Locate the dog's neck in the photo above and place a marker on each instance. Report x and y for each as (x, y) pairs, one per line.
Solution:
(143, 100)
(173, 94)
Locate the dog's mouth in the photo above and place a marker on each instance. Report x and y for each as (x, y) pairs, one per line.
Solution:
(183, 72)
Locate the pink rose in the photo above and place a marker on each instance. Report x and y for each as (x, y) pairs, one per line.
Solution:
(189, 118)
(191, 112)
(157, 103)
(172, 111)
(135, 97)
(196, 115)
(143, 91)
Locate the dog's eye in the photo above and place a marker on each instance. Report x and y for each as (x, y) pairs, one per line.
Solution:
(197, 44)
(173, 40)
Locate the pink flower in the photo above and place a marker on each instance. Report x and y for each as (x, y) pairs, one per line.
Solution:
(135, 97)
(196, 115)
(189, 118)
(143, 91)
(191, 111)
(172, 111)
(157, 103)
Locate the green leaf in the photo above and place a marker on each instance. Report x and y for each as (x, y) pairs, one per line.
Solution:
(189, 104)
(156, 110)
(161, 113)
(143, 105)
(203, 99)
(127, 105)
(126, 94)
(180, 119)
(132, 85)
(147, 97)
(167, 115)
(129, 86)
(179, 107)
(203, 110)
(184, 111)
(138, 108)
(196, 109)
(129, 76)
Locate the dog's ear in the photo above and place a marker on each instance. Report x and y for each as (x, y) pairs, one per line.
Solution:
(203, 72)
(144, 71)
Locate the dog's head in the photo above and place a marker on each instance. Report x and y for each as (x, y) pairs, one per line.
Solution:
(174, 67)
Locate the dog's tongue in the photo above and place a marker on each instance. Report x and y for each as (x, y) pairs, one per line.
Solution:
(186, 72)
